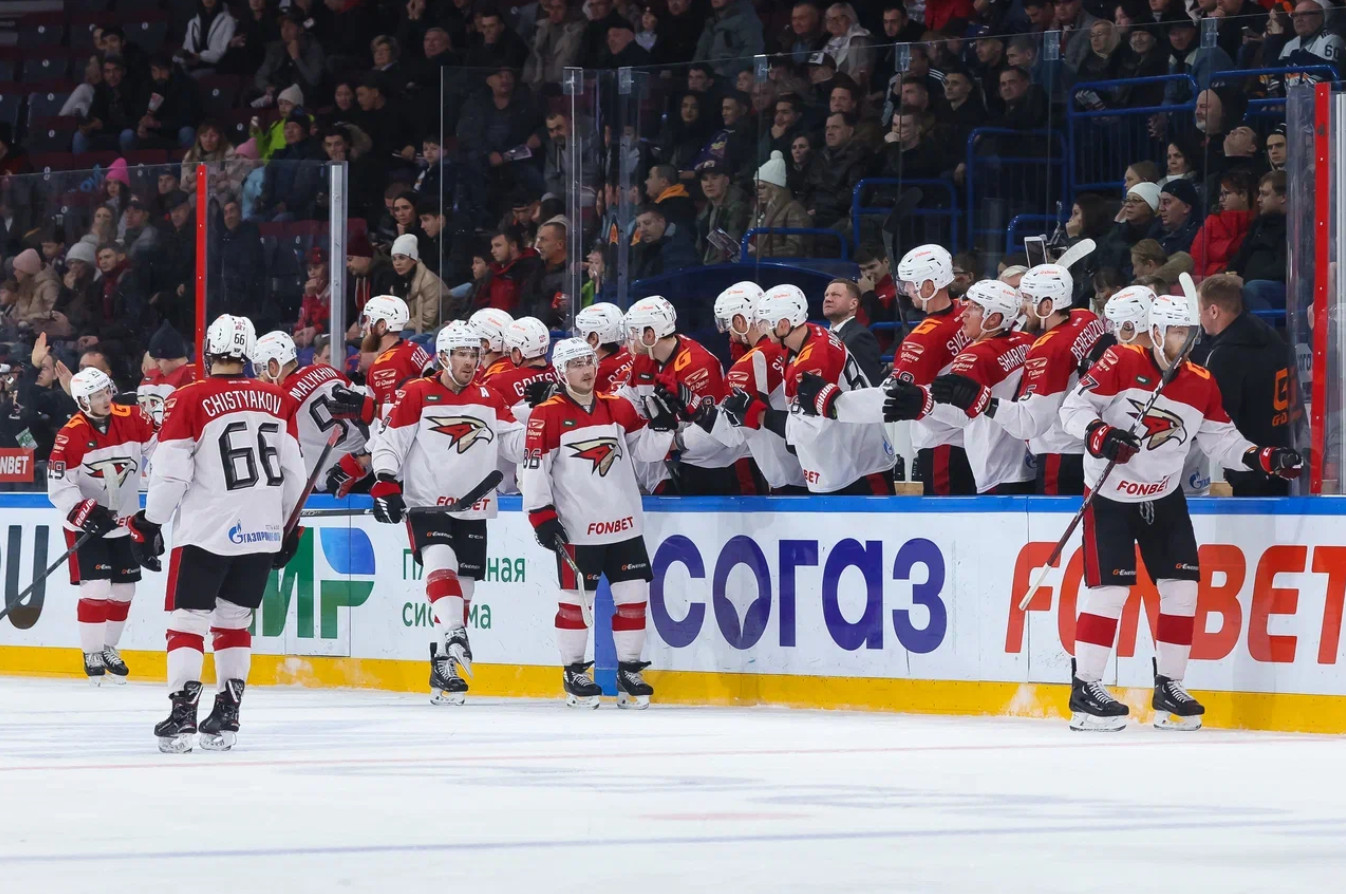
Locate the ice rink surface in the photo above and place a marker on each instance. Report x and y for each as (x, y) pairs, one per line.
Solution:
(360, 791)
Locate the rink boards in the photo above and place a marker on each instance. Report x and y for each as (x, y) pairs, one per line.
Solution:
(903, 604)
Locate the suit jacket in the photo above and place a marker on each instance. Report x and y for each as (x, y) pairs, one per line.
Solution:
(864, 347)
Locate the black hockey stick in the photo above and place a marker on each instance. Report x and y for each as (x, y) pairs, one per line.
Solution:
(905, 204)
(559, 545)
(1189, 290)
(466, 501)
(337, 434)
(51, 569)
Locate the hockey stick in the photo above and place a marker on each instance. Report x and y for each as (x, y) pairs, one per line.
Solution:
(1188, 290)
(1076, 253)
(51, 569)
(466, 501)
(337, 433)
(559, 545)
(905, 204)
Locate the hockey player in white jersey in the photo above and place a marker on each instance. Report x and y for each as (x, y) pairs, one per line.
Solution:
(93, 479)
(445, 435)
(1141, 503)
(228, 474)
(580, 493)
(275, 360)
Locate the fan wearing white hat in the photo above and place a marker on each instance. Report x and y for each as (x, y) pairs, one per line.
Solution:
(426, 294)
(777, 209)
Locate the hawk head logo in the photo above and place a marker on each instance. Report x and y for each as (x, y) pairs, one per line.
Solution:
(113, 470)
(462, 430)
(153, 405)
(1161, 426)
(602, 452)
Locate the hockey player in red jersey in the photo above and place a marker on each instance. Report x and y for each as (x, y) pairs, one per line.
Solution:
(526, 342)
(601, 325)
(580, 493)
(1141, 503)
(93, 479)
(835, 458)
(397, 362)
(1050, 371)
(490, 324)
(446, 434)
(228, 473)
(275, 361)
(171, 371)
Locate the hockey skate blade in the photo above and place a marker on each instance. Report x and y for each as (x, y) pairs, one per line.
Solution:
(95, 681)
(633, 702)
(221, 741)
(176, 744)
(582, 701)
(459, 656)
(443, 697)
(1174, 722)
(116, 680)
(1088, 723)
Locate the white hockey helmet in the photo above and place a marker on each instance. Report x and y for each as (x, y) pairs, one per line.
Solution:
(1048, 282)
(88, 382)
(1129, 306)
(995, 297)
(568, 350)
(277, 346)
(456, 336)
(1168, 311)
(490, 324)
(654, 312)
(231, 337)
(925, 264)
(601, 319)
(739, 299)
(529, 336)
(389, 308)
(784, 302)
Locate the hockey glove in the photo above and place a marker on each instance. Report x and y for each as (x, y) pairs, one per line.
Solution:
(1109, 442)
(706, 414)
(816, 396)
(343, 477)
(350, 404)
(91, 518)
(906, 401)
(965, 393)
(389, 507)
(744, 409)
(547, 527)
(1279, 461)
(288, 547)
(535, 393)
(147, 541)
(677, 394)
(663, 410)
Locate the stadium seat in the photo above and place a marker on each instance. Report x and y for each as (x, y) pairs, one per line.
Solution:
(148, 30)
(148, 157)
(11, 100)
(9, 67)
(50, 133)
(218, 93)
(52, 161)
(41, 29)
(48, 63)
(46, 103)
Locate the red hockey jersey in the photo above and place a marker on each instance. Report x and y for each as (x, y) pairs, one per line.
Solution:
(156, 387)
(88, 464)
(512, 383)
(1050, 371)
(613, 371)
(486, 372)
(311, 387)
(996, 457)
(392, 369)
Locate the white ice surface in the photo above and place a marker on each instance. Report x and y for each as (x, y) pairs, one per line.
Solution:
(359, 791)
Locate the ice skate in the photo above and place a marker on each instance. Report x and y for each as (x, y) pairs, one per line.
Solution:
(446, 687)
(175, 734)
(459, 650)
(632, 690)
(1093, 709)
(94, 668)
(1174, 707)
(219, 731)
(581, 690)
(117, 670)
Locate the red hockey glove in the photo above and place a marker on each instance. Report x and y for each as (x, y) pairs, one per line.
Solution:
(963, 392)
(350, 404)
(1109, 442)
(343, 477)
(816, 396)
(389, 507)
(1279, 461)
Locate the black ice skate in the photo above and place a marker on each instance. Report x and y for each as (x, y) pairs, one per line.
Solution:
(632, 690)
(219, 731)
(116, 668)
(446, 687)
(175, 734)
(1174, 707)
(1093, 709)
(581, 690)
(94, 668)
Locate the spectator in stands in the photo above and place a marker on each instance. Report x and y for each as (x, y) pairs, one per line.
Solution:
(425, 74)
(516, 274)
(1242, 152)
(315, 308)
(909, 153)
(1241, 25)
(1144, 171)
(168, 185)
(114, 114)
(551, 248)
(850, 44)
(296, 58)
(102, 227)
(1179, 219)
(594, 44)
(430, 182)
(291, 181)
(136, 60)
(1102, 62)
(878, 292)
(1024, 103)
(255, 30)
(727, 209)
(801, 159)
(989, 51)
(1148, 258)
(431, 216)
(51, 242)
(371, 274)
(388, 129)
(1180, 164)
(777, 209)
(78, 103)
(123, 291)
(624, 50)
(493, 130)
(272, 139)
(208, 37)
(39, 288)
(41, 406)
(898, 28)
(685, 135)
(786, 124)
(1106, 282)
(426, 295)
(1147, 58)
(1138, 215)
(679, 30)
(663, 189)
(173, 107)
(235, 264)
(948, 16)
(1190, 58)
(965, 112)
(732, 32)
(175, 265)
(140, 239)
(406, 217)
(1261, 260)
(363, 176)
(1311, 45)
(344, 28)
(841, 304)
(1220, 236)
(80, 298)
(211, 148)
(839, 166)
(664, 247)
(734, 145)
(322, 349)
(556, 44)
(1277, 146)
(493, 44)
(1076, 27)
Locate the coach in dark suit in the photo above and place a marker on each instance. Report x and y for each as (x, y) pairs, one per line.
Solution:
(841, 302)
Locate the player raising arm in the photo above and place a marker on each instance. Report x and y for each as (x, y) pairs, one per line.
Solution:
(1115, 411)
(580, 493)
(446, 434)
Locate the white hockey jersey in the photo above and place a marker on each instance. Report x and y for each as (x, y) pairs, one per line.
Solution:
(995, 456)
(104, 466)
(227, 466)
(1189, 410)
(579, 460)
(311, 387)
(1050, 372)
(442, 443)
(156, 388)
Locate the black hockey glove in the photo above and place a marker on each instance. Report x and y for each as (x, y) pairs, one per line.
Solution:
(1279, 461)
(663, 409)
(147, 541)
(535, 393)
(547, 527)
(677, 394)
(1109, 442)
(349, 404)
(905, 401)
(389, 507)
(706, 414)
(345, 475)
(288, 547)
(91, 518)
(816, 396)
(744, 409)
(965, 393)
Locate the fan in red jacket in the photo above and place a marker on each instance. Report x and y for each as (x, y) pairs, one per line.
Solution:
(1220, 236)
